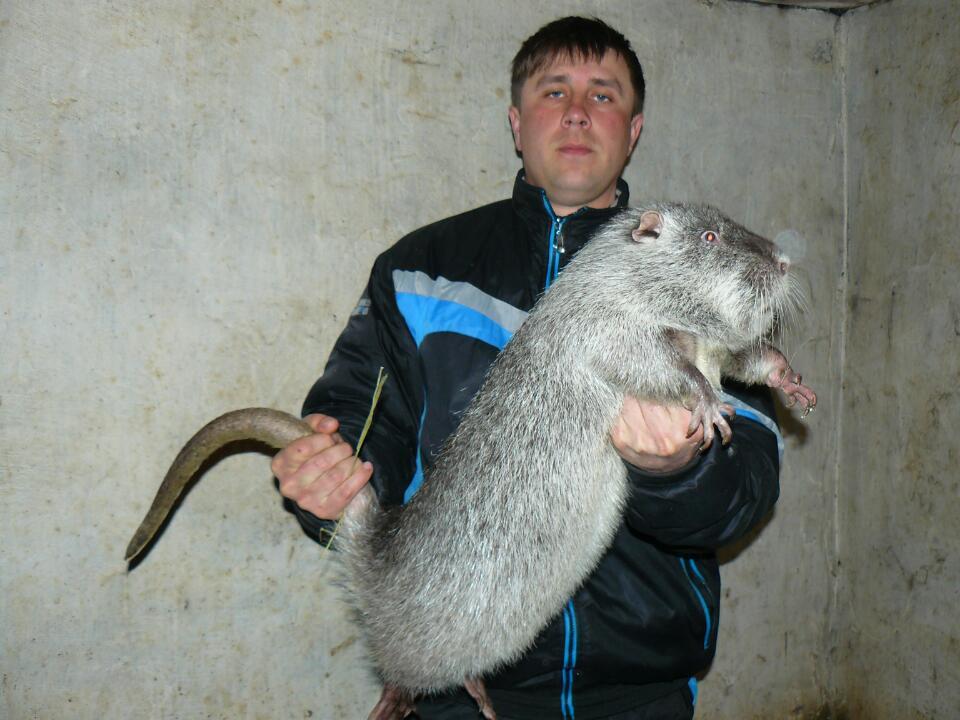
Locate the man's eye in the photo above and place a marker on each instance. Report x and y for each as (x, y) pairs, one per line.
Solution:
(600, 97)
(555, 93)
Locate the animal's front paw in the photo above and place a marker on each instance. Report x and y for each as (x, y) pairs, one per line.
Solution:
(782, 377)
(791, 385)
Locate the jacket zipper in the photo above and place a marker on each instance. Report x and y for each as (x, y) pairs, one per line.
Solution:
(556, 250)
(557, 246)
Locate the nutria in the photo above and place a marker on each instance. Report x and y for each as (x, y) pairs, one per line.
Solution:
(527, 493)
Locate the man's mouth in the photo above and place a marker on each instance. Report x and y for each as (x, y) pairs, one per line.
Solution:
(574, 149)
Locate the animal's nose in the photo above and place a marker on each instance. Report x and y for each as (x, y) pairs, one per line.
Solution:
(780, 259)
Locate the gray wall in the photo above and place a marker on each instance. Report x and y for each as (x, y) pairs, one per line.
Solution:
(193, 197)
(899, 510)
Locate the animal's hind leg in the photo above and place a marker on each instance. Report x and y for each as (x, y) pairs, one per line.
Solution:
(478, 691)
(705, 409)
(673, 376)
(393, 704)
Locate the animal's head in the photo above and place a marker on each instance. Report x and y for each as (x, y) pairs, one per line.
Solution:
(723, 272)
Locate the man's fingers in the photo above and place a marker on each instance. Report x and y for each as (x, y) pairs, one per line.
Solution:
(291, 458)
(337, 488)
(319, 472)
(655, 437)
(317, 467)
(696, 437)
(657, 428)
(322, 423)
(665, 416)
(329, 460)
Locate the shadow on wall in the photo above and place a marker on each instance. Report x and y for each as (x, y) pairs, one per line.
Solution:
(791, 426)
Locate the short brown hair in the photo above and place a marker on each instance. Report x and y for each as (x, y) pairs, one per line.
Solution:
(574, 37)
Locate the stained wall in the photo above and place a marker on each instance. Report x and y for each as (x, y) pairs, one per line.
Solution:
(899, 511)
(193, 196)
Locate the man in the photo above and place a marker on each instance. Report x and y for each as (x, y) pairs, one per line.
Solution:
(439, 306)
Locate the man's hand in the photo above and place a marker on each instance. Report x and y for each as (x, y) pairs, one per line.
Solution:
(654, 437)
(317, 471)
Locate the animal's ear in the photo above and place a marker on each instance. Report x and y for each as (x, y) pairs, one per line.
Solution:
(650, 227)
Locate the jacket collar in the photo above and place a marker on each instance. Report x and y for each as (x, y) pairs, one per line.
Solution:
(531, 204)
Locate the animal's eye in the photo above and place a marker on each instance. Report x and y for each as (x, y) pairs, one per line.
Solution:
(710, 237)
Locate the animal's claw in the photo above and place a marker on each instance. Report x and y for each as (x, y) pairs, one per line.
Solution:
(394, 704)
(478, 691)
(790, 383)
(708, 414)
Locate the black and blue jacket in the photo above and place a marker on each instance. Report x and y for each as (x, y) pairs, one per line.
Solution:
(439, 306)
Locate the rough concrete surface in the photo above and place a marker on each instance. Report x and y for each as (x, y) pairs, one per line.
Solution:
(193, 195)
(899, 515)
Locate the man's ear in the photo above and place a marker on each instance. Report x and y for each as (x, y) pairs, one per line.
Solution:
(514, 114)
(636, 125)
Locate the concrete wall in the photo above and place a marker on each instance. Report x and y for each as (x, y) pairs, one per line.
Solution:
(899, 510)
(744, 111)
(193, 196)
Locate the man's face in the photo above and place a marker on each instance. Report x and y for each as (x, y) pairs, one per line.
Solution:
(575, 130)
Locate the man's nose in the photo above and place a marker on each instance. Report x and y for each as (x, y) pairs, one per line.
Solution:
(576, 115)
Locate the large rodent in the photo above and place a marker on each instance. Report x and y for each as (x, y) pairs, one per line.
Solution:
(460, 580)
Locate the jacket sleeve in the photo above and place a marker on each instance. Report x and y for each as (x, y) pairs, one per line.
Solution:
(376, 336)
(721, 495)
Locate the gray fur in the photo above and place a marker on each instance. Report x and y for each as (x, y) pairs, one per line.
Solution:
(529, 491)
